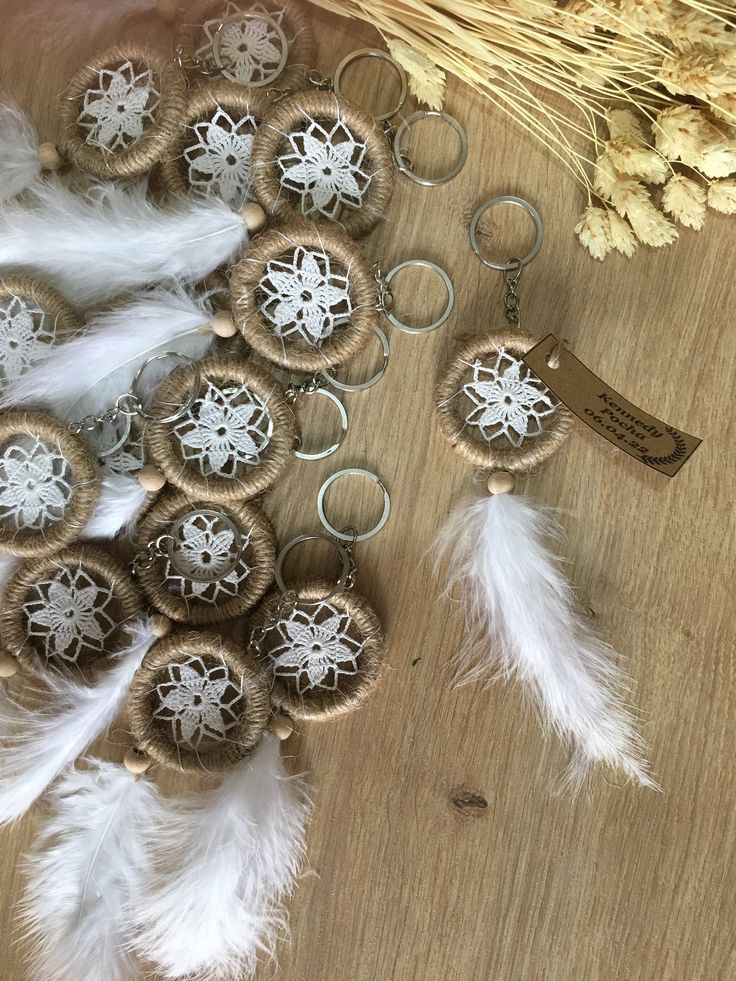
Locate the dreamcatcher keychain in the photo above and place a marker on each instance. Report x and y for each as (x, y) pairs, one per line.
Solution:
(521, 614)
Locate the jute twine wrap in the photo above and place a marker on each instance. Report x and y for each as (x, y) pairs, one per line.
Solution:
(164, 450)
(353, 689)
(500, 454)
(156, 737)
(142, 155)
(47, 298)
(295, 24)
(258, 329)
(15, 427)
(293, 114)
(101, 567)
(203, 103)
(260, 555)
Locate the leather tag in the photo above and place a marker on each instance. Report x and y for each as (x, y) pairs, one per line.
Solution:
(649, 440)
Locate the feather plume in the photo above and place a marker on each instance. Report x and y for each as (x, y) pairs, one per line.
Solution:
(120, 502)
(523, 623)
(82, 872)
(95, 245)
(9, 707)
(219, 874)
(71, 716)
(87, 373)
(19, 163)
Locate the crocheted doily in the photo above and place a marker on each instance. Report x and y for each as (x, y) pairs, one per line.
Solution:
(118, 110)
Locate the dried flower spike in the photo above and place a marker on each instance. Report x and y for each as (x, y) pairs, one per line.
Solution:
(426, 80)
(722, 196)
(685, 199)
(593, 232)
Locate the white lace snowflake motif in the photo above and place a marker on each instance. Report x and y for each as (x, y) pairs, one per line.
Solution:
(67, 615)
(200, 702)
(35, 484)
(510, 401)
(116, 113)
(219, 161)
(206, 553)
(325, 168)
(305, 298)
(315, 649)
(26, 333)
(250, 49)
(227, 429)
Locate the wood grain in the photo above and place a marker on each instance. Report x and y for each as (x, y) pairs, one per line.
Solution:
(437, 849)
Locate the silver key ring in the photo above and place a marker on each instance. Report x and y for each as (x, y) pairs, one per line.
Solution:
(93, 438)
(340, 549)
(424, 264)
(362, 386)
(321, 454)
(401, 161)
(372, 53)
(174, 545)
(518, 203)
(224, 65)
(327, 524)
(191, 398)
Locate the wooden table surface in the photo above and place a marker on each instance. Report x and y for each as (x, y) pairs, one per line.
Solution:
(402, 882)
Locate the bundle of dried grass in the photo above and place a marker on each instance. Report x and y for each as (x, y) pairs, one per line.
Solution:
(636, 97)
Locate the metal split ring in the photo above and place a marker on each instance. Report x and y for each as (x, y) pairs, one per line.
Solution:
(402, 161)
(518, 203)
(183, 409)
(334, 447)
(362, 386)
(424, 264)
(343, 535)
(339, 548)
(224, 66)
(372, 53)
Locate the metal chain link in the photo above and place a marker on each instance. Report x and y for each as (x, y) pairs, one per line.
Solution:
(286, 606)
(511, 300)
(385, 294)
(155, 549)
(309, 386)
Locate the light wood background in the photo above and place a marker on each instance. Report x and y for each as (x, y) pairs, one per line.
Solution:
(403, 882)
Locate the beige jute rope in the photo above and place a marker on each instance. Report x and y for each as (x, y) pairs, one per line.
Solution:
(500, 454)
(152, 146)
(292, 115)
(260, 556)
(102, 568)
(346, 258)
(156, 736)
(353, 689)
(164, 449)
(46, 297)
(16, 427)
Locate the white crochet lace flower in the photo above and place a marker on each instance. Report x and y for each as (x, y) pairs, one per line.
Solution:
(200, 703)
(35, 484)
(510, 401)
(26, 333)
(226, 430)
(315, 648)
(116, 113)
(305, 297)
(250, 49)
(219, 160)
(325, 168)
(206, 551)
(68, 615)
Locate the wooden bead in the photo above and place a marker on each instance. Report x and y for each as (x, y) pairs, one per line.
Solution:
(281, 726)
(500, 482)
(49, 157)
(8, 665)
(254, 217)
(136, 761)
(150, 478)
(167, 11)
(161, 625)
(223, 324)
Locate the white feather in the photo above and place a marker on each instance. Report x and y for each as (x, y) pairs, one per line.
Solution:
(9, 706)
(19, 163)
(87, 373)
(95, 245)
(221, 868)
(523, 622)
(84, 868)
(45, 739)
(120, 502)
